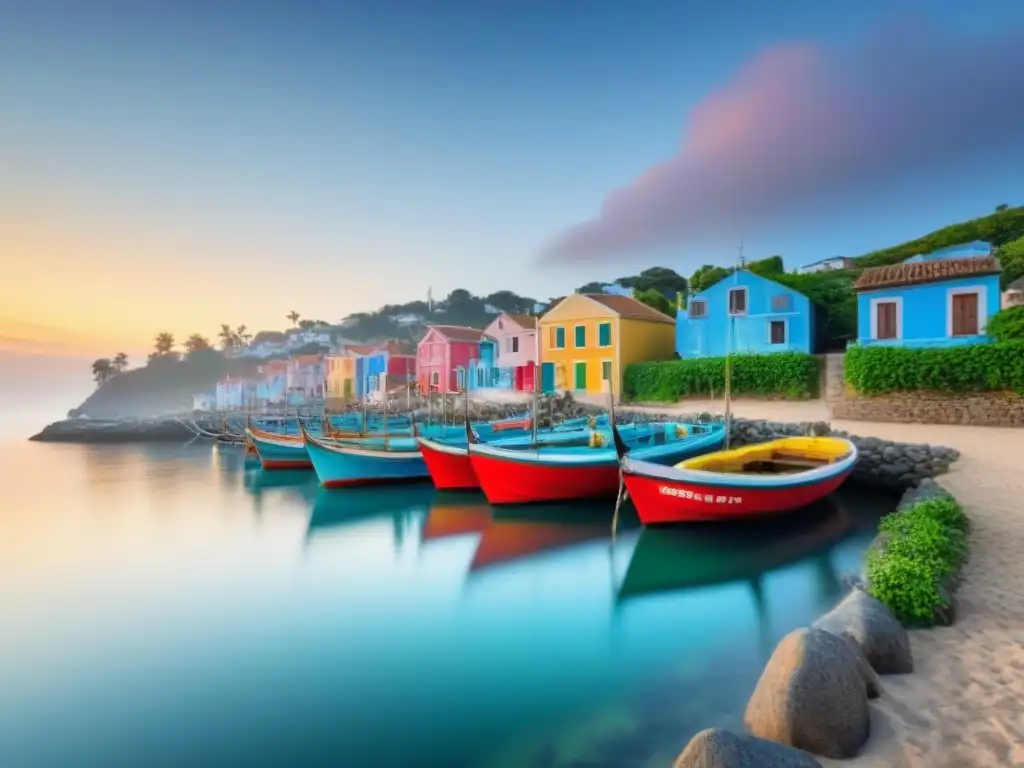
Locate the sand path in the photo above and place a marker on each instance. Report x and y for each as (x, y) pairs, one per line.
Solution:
(964, 703)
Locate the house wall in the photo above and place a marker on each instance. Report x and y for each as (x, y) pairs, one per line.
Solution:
(642, 341)
(460, 353)
(923, 313)
(709, 336)
(431, 356)
(505, 357)
(573, 311)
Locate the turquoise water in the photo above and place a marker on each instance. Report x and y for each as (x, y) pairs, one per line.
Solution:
(160, 605)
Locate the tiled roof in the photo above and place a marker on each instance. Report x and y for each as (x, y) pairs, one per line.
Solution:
(925, 272)
(359, 349)
(526, 322)
(396, 347)
(627, 306)
(307, 359)
(458, 332)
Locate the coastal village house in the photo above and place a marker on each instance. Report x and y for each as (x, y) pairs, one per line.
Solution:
(389, 367)
(234, 394)
(305, 377)
(272, 386)
(507, 355)
(588, 339)
(823, 265)
(745, 313)
(1013, 296)
(443, 357)
(940, 299)
(341, 376)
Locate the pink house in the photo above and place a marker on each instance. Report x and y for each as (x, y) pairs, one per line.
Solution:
(443, 357)
(305, 376)
(513, 354)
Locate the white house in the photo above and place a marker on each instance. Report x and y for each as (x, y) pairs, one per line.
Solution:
(836, 262)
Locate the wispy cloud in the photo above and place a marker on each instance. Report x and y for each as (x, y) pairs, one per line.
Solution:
(800, 122)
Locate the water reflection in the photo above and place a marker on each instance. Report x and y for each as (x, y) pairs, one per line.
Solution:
(333, 509)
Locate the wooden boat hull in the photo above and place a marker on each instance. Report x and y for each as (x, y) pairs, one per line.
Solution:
(339, 466)
(279, 452)
(449, 466)
(664, 495)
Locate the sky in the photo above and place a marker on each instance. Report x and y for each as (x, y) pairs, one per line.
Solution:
(174, 166)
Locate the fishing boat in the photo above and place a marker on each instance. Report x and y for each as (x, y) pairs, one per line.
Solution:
(381, 460)
(278, 451)
(756, 480)
(560, 473)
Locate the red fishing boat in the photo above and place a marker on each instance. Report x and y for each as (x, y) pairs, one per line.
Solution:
(756, 480)
(448, 464)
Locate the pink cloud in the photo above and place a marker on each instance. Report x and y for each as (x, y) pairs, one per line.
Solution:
(800, 123)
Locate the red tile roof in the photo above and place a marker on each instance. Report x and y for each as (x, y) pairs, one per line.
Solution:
(359, 349)
(925, 272)
(627, 306)
(397, 347)
(458, 332)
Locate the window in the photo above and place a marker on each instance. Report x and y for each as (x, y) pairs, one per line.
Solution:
(780, 303)
(460, 377)
(515, 343)
(435, 378)
(558, 337)
(964, 314)
(737, 301)
(885, 320)
(777, 332)
(606, 370)
(604, 335)
(480, 373)
(698, 308)
(580, 339)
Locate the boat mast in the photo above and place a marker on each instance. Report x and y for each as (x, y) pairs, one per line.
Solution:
(536, 378)
(729, 339)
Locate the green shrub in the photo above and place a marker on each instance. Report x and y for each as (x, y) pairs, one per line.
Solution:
(792, 375)
(876, 370)
(1006, 325)
(927, 545)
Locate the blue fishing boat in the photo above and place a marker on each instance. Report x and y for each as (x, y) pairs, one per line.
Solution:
(339, 464)
(278, 451)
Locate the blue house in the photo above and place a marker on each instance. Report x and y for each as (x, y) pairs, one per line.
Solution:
(942, 299)
(745, 313)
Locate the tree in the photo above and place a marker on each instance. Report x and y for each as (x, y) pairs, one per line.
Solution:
(102, 370)
(196, 342)
(294, 317)
(307, 324)
(120, 362)
(656, 300)
(663, 279)
(164, 343)
(705, 276)
(243, 336)
(1002, 207)
(459, 296)
(228, 337)
(595, 286)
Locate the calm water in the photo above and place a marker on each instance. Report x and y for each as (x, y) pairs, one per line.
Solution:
(159, 606)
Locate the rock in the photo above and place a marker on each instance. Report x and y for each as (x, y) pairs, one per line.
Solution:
(812, 695)
(870, 624)
(714, 748)
(946, 613)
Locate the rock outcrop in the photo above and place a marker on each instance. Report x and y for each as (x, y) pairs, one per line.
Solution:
(715, 748)
(812, 695)
(869, 623)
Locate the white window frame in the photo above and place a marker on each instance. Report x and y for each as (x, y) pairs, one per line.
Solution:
(689, 309)
(746, 301)
(981, 292)
(609, 345)
(611, 368)
(898, 301)
(785, 331)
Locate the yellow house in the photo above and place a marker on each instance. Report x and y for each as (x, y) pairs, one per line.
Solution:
(588, 339)
(340, 385)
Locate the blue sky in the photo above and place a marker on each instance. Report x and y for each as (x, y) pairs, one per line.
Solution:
(331, 157)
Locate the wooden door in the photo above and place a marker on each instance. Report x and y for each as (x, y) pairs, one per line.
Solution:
(965, 314)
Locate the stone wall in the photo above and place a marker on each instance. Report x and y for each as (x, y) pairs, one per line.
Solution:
(985, 409)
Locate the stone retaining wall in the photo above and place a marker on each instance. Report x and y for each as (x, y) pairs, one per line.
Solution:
(986, 409)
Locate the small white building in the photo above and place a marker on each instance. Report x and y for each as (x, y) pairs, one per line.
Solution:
(207, 401)
(836, 262)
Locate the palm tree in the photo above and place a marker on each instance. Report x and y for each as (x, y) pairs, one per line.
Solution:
(102, 370)
(228, 339)
(196, 342)
(243, 336)
(164, 343)
(294, 317)
(120, 362)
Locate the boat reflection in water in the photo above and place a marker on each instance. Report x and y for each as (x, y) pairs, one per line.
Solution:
(333, 509)
(455, 514)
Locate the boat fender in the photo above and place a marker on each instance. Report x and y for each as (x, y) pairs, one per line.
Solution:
(681, 431)
(596, 440)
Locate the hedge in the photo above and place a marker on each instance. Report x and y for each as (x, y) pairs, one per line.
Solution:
(1006, 325)
(789, 374)
(925, 548)
(876, 370)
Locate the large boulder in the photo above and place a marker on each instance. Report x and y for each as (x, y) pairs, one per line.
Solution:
(714, 748)
(812, 695)
(869, 623)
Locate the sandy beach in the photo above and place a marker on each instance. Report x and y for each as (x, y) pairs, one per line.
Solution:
(964, 703)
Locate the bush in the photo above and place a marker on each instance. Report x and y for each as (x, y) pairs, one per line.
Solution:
(792, 375)
(927, 546)
(1007, 325)
(876, 370)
